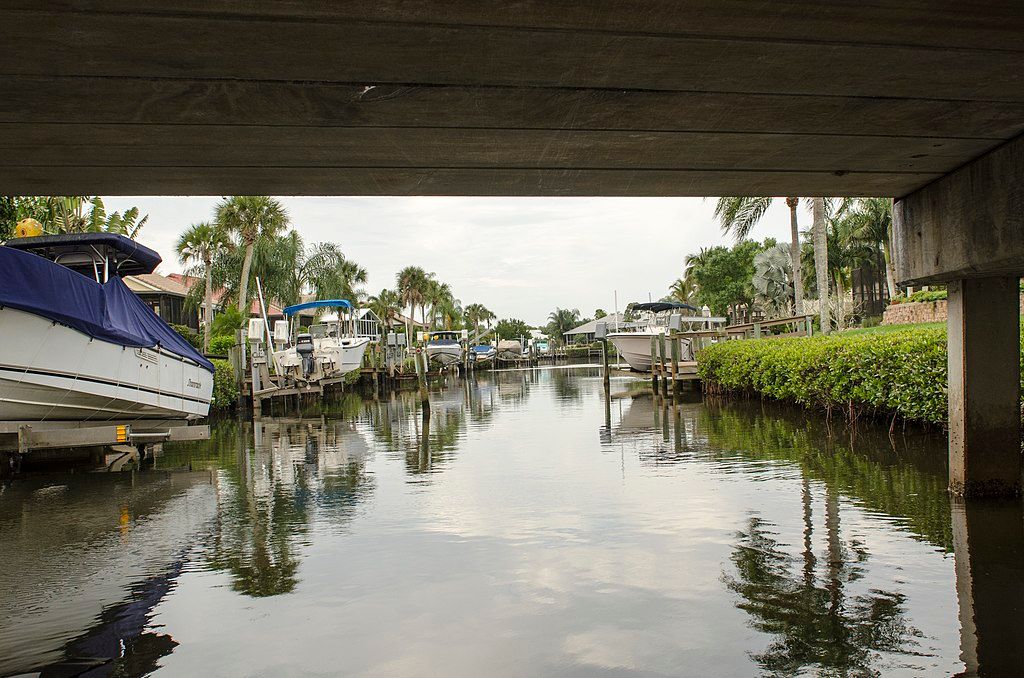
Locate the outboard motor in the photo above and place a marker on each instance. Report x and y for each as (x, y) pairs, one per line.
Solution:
(304, 347)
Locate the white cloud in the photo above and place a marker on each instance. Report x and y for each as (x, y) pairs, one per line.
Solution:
(520, 257)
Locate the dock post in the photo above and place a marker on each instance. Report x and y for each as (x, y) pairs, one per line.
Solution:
(604, 360)
(757, 330)
(661, 364)
(654, 366)
(675, 363)
(421, 374)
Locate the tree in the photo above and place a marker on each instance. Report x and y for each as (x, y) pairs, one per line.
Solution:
(872, 224)
(511, 328)
(739, 215)
(820, 243)
(254, 219)
(683, 290)
(412, 282)
(560, 321)
(477, 315)
(198, 246)
(387, 305)
(73, 214)
(724, 277)
(128, 224)
(600, 313)
(8, 216)
(772, 280)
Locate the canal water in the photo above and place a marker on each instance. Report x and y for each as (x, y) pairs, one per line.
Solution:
(527, 527)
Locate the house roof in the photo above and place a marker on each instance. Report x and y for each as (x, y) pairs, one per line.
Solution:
(154, 282)
(188, 281)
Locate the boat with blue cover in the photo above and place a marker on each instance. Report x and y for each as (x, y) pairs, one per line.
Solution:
(329, 349)
(77, 345)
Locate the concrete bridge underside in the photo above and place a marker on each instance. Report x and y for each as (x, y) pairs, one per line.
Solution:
(921, 100)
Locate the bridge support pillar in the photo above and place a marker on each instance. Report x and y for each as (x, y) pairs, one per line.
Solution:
(966, 230)
(984, 387)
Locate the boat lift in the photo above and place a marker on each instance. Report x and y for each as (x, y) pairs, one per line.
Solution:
(137, 440)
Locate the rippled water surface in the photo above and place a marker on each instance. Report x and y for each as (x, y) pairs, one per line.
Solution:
(527, 527)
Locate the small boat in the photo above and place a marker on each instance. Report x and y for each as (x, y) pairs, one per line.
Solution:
(445, 348)
(77, 345)
(635, 345)
(483, 353)
(510, 349)
(327, 350)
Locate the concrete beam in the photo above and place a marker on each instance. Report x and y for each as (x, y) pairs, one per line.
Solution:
(967, 224)
(984, 387)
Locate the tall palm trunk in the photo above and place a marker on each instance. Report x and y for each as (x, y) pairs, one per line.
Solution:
(821, 261)
(890, 268)
(243, 287)
(208, 305)
(841, 305)
(794, 255)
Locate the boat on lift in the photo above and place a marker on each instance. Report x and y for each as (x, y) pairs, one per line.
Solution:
(77, 345)
(656, 318)
(510, 349)
(483, 353)
(329, 350)
(445, 347)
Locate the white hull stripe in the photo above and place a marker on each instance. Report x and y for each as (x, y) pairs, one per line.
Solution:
(106, 382)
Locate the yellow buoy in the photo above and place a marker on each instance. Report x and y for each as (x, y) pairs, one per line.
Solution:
(28, 228)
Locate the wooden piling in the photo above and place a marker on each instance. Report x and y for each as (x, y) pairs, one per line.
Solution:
(661, 364)
(654, 366)
(604, 359)
(674, 342)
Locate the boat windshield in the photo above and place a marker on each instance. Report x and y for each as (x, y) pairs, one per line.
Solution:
(444, 338)
(321, 330)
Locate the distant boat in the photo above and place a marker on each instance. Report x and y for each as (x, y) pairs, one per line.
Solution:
(77, 344)
(635, 345)
(445, 348)
(483, 353)
(328, 351)
(510, 349)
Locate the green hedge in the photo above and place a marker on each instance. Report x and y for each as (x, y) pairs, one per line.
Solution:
(225, 390)
(901, 372)
(221, 345)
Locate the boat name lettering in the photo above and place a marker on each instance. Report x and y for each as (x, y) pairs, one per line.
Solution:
(149, 356)
(192, 384)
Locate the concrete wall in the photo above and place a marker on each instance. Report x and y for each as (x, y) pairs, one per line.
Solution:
(921, 312)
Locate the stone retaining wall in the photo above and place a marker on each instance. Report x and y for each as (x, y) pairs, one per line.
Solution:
(921, 312)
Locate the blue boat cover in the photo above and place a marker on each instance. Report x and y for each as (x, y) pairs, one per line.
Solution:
(110, 312)
(322, 303)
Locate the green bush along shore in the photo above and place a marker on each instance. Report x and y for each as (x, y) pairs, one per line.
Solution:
(901, 372)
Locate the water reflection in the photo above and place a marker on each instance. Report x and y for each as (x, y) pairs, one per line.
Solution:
(497, 534)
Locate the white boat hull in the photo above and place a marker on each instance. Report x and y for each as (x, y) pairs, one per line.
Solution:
(51, 372)
(635, 348)
(331, 358)
(445, 354)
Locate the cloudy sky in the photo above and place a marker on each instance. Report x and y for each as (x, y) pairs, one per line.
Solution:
(520, 257)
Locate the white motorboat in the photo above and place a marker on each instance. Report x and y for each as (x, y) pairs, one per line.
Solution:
(328, 351)
(510, 349)
(445, 348)
(635, 345)
(77, 345)
(483, 353)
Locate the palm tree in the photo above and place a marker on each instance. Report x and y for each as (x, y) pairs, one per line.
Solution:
(873, 225)
(198, 245)
(476, 315)
(819, 239)
(128, 224)
(387, 306)
(253, 218)
(683, 290)
(739, 215)
(412, 283)
(560, 321)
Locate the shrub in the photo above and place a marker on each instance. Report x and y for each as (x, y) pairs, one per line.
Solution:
(190, 336)
(227, 322)
(225, 390)
(922, 296)
(900, 372)
(220, 345)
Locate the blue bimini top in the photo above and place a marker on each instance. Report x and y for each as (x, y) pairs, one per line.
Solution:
(110, 312)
